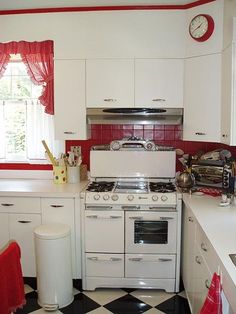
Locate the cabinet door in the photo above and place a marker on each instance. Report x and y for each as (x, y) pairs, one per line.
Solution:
(109, 83)
(228, 125)
(159, 83)
(61, 210)
(201, 280)
(21, 228)
(202, 98)
(104, 231)
(70, 111)
(4, 230)
(189, 235)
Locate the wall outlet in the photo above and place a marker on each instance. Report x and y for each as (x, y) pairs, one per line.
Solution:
(76, 150)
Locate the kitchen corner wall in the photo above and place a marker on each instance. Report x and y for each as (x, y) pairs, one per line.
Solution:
(169, 135)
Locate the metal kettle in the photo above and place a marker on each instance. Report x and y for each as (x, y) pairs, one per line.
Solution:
(185, 179)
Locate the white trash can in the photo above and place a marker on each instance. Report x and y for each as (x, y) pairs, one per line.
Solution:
(53, 266)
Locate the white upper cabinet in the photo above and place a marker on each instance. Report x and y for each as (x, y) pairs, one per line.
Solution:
(70, 111)
(228, 115)
(109, 83)
(159, 83)
(202, 98)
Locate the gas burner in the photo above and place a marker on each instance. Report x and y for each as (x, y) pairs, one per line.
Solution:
(102, 186)
(162, 187)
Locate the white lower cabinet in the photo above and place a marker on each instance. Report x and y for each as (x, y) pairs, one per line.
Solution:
(110, 264)
(150, 266)
(21, 229)
(4, 229)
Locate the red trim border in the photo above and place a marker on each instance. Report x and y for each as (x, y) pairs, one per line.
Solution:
(107, 8)
(24, 166)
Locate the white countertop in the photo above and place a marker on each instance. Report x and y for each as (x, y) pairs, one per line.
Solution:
(219, 225)
(39, 188)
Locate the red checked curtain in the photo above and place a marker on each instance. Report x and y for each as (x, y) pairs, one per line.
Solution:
(38, 59)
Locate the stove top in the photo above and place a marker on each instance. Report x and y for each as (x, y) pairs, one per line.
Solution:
(102, 186)
(162, 187)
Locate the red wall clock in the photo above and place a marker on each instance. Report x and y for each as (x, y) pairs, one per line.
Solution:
(201, 27)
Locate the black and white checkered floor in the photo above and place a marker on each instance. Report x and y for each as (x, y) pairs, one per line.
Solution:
(117, 301)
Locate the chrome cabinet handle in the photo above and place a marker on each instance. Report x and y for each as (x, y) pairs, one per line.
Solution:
(158, 99)
(165, 259)
(7, 204)
(198, 260)
(160, 208)
(130, 207)
(207, 283)
(98, 207)
(24, 221)
(200, 133)
(135, 259)
(112, 259)
(166, 218)
(103, 217)
(115, 217)
(190, 219)
(203, 247)
(69, 132)
(136, 217)
(110, 99)
(56, 206)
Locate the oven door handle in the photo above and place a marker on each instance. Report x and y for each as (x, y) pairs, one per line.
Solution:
(136, 217)
(112, 259)
(130, 207)
(139, 259)
(103, 217)
(166, 218)
(99, 207)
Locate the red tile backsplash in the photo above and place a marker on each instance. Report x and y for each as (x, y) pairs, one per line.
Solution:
(170, 135)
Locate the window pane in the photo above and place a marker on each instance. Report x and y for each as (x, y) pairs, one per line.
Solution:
(5, 88)
(36, 91)
(21, 87)
(15, 124)
(18, 68)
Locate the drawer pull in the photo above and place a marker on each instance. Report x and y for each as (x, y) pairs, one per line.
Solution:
(115, 217)
(103, 217)
(198, 260)
(158, 99)
(200, 133)
(98, 207)
(7, 204)
(165, 259)
(69, 132)
(204, 247)
(166, 218)
(130, 207)
(135, 259)
(24, 221)
(56, 206)
(207, 283)
(190, 219)
(136, 217)
(112, 259)
(110, 99)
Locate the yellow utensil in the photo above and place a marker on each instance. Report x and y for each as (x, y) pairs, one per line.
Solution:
(49, 153)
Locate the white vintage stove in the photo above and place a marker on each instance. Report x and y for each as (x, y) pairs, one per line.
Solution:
(132, 218)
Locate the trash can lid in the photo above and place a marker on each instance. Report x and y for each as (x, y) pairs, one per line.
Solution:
(52, 231)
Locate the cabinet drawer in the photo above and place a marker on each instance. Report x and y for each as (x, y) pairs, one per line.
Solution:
(105, 265)
(206, 250)
(20, 205)
(150, 266)
(57, 203)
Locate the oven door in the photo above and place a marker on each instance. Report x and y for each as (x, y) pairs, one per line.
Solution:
(150, 232)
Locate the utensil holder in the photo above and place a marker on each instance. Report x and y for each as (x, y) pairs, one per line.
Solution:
(73, 174)
(59, 174)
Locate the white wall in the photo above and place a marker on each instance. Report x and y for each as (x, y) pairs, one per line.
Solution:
(123, 34)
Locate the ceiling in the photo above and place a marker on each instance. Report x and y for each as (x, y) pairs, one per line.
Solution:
(43, 4)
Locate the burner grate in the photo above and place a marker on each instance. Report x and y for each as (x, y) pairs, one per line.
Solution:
(162, 187)
(102, 186)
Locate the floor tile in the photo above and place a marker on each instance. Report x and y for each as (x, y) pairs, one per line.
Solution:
(182, 294)
(41, 311)
(81, 304)
(28, 289)
(100, 310)
(175, 305)
(31, 304)
(104, 296)
(152, 297)
(154, 311)
(127, 304)
(75, 291)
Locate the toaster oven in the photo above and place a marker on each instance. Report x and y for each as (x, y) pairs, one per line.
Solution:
(208, 174)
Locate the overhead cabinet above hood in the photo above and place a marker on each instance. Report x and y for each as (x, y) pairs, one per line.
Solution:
(135, 116)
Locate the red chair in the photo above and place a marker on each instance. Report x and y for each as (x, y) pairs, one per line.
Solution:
(12, 294)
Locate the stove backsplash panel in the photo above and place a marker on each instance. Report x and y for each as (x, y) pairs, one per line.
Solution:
(160, 134)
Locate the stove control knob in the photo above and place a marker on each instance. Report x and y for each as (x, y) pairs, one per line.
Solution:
(115, 197)
(130, 197)
(96, 197)
(164, 198)
(155, 198)
(106, 197)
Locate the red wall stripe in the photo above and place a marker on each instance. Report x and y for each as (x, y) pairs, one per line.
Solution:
(107, 8)
(24, 166)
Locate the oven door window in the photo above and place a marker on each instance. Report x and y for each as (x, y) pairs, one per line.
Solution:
(151, 232)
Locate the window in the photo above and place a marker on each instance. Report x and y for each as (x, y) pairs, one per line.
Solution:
(23, 120)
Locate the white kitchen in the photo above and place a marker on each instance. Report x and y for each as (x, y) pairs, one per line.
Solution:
(139, 94)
